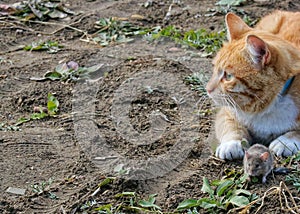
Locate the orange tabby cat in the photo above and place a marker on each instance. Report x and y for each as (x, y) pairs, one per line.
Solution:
(256, 81)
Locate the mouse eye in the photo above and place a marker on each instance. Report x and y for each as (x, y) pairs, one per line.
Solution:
(257, 165)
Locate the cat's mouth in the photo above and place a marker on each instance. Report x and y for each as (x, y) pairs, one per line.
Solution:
(238, 102)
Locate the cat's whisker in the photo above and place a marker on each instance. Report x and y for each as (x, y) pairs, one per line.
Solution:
(201, 102)
(230, 102)
(234, 104)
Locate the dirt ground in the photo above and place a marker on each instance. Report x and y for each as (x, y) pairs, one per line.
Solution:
(108, 121)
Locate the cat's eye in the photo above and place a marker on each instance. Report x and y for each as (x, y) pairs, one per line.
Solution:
(227, 76)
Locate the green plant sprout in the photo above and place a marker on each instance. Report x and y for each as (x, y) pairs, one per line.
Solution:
(52, 110)
(223, 194)
(49, 46)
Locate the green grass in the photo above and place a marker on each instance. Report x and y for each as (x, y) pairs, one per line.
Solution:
(208, 42)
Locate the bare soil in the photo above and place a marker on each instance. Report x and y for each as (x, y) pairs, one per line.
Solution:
(67, 150)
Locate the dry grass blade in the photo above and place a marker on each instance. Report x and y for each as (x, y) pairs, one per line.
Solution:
(273, 190)
(285, 188)
(281, 192)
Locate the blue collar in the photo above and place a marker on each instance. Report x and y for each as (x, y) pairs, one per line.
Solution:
(287, 86)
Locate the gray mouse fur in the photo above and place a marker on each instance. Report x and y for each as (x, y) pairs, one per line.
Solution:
(258, 161)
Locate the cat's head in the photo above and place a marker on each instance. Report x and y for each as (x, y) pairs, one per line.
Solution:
(247, 71)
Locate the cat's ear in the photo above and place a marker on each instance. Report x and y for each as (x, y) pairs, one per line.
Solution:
(258, 50)
(264, 156)
(236, 27)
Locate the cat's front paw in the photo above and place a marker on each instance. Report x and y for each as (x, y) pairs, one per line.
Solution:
(285, 146)
(230, 150)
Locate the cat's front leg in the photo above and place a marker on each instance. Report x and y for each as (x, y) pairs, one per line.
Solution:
(230, 134)
(287, 144)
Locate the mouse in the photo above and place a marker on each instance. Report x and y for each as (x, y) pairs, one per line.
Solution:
(258, 161)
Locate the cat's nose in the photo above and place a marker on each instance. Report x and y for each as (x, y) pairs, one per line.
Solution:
(209, 89)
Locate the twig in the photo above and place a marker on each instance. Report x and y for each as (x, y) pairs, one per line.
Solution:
(63, 26)
(14, 25)
(58, 24)
(78, 21)
(55, 24)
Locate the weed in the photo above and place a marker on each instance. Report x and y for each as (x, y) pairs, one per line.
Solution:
(5, 127)
(5, 61)
(119, 170)
(197, 82)
(130, 203)
(41, 9)
(150, 203)
(69, 72)
(208, 42)
(52, 110)
(52, 105)
(250, 21)
(224, 9)
(169, 31)
(230, 2)
(88, 204)
(126, 202)
(223, 194)
(43, 187)
(49, 46)
(112, 30)
(40, 187)
(294, 176)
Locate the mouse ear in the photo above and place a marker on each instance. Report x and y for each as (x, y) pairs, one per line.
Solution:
(247, 155)
(264, 156)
